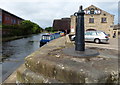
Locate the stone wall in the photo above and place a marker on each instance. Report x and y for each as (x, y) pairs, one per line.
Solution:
(50, 65)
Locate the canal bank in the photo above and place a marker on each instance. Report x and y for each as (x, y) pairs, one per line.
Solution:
(50, 65)
(5, 39)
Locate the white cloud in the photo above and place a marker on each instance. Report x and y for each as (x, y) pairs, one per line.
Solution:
(59, 1)
(44, 12)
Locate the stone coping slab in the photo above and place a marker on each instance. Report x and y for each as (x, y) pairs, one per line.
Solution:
(51, 62)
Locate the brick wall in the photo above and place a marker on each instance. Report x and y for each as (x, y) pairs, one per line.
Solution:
(9, 19)
(62, 24)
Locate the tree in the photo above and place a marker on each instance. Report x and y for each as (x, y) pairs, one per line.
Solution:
(29, 27)
(36, 28)
(49, 29)
(26, 27)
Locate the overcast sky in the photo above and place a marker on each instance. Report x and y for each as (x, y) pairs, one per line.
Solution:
(43, 12)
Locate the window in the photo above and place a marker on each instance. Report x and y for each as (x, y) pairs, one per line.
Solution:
(91, 20)
(14, 21)
(103, 20)
(104, 14)
(0, 19)
(7, 18)
(88, 33)
(18, 22)
(93, 33)
(92, 11)
(101, 33)
(46, 37)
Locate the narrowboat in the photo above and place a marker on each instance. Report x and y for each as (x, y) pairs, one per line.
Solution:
(47, 38)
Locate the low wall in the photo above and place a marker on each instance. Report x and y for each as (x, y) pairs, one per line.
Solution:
(50, 65)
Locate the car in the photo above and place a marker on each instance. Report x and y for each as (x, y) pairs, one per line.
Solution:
(95, 36)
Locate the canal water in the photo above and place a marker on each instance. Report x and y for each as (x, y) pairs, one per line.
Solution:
(16, 51)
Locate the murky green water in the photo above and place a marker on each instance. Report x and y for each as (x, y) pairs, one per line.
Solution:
(15, 51)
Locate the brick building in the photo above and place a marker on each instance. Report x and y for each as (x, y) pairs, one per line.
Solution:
(0, 17)
(95, 19)
(62, 25)
(7, 18)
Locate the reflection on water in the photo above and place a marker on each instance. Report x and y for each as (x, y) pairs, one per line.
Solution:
(16, 51)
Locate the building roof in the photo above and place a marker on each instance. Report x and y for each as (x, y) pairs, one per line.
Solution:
(62, 19)
(2, 10)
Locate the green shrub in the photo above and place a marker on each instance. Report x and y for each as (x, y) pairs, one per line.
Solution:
(49, 29)
(24, 28)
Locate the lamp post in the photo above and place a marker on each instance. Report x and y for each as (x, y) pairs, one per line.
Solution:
(79, 40)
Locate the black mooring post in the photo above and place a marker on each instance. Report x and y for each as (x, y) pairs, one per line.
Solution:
(79, 40)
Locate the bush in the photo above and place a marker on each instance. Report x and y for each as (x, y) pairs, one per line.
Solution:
(24, 28)
(0, 25)
(29, 27)
(49, 29)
